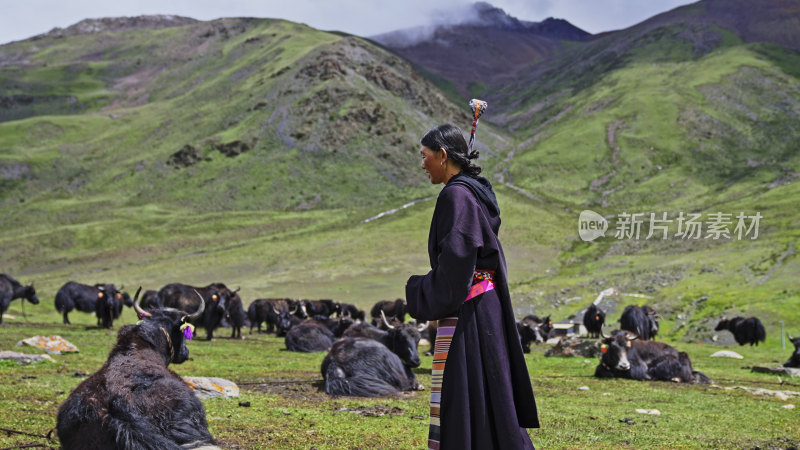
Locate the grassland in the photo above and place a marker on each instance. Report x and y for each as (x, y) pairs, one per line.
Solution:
(289, 410)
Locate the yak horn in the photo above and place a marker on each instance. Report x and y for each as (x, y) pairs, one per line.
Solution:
(789, 336)
(237, 289)
(294, 311)
(603, 333)
(275, 310)
(383, 316)
(139, 311)
(421, 327)
(196, 315)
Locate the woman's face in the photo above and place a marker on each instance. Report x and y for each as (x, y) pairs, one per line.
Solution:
(433, 164)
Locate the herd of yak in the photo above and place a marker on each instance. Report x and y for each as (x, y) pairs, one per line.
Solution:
(135, 401)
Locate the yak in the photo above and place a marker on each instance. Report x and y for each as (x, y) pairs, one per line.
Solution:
(235, 315)
(401, 339)
(108, 307)
(336, 325)
(794, 361)
(84, 297)
(134, 401)
(11, 289)
(593, 320)
(745, 331)
(273, 311)
(351, 311)
(309, 337)
(149, 300)
(313, 308)
(531, 330)
(363, 367)
(640, 320)
(394, 309)
(182, 297)
(625, 355)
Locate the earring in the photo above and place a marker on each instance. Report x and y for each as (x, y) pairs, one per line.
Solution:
(442, 163)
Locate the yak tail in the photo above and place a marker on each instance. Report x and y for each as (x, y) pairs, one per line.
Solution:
(364, 385)
(63, 302)
(760, 332)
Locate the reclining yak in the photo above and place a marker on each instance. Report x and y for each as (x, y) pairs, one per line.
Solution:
(134, 401)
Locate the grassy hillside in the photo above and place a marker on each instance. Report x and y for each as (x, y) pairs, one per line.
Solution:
(666, 123)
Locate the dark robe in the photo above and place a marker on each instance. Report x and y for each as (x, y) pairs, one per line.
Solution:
(487, 398)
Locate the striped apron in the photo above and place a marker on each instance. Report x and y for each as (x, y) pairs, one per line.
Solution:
(481, 282)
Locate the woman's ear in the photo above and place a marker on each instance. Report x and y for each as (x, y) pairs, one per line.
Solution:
(444, 154)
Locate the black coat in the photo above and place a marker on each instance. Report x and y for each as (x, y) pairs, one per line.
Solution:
(487, 398)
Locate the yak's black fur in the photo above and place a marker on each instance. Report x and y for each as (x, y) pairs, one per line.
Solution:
(11, 289)
(745, 331)
(309, 337)
(640, 320)
(644, 360)
(235, 315)
(84, 298)
(402, 340)
(794, 361)
(593, 320)
(134, 401)
(182, 297)
(392, 309)
(365, 368)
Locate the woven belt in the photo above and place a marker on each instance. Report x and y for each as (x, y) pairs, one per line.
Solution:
(482, 282)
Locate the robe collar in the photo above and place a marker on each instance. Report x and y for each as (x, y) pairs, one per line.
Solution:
(480, 187)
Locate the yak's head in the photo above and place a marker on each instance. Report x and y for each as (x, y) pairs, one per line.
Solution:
(404, 339)
(167, 329)
(614, 350)
(529, 331)
(722, 325)
(29, 293)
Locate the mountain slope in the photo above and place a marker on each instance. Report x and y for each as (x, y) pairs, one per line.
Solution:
(483, 49)
(228, 114)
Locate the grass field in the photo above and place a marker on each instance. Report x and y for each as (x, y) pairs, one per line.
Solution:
(290, 410)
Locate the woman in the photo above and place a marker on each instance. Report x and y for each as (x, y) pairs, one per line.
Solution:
(486, 400)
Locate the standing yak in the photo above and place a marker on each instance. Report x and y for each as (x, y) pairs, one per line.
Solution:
(134, 401)
(11, 289)
(640, 320)
(235, 315)
(593, 320)
(84, 297)
(745, 331)
(183, 297)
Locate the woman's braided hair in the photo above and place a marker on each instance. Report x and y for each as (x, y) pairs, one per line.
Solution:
(451, 139)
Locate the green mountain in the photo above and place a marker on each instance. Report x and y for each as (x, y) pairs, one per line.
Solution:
(251, 151)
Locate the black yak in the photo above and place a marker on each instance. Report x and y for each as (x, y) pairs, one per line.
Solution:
(794, 361)
(11, 289)
(84, 297)
(391, 309)
(309, 337)
(215, 296)
(312, 308)
(134, 401)
(531, 329)
(235, 315)
(640, 320)
(401, 339)
(624, 355)
(273, 311)
(363, 367)
(745, 331)
(593, 320)
(351, 311)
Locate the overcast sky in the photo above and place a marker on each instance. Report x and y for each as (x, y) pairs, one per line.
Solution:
(21, 19)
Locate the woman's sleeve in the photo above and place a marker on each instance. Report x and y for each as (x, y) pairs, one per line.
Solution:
(441, 291)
